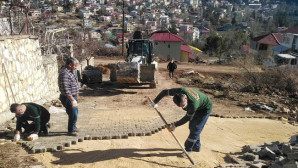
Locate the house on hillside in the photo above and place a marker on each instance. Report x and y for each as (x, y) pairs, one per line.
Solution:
(128, 27)
(4, 27)
(166, 45)
(35, 13)
(186, 54)
(84, 14)
(289, 42)
(262, 45)
(95, 35)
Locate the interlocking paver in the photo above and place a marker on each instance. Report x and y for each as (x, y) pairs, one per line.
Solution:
(95, 124)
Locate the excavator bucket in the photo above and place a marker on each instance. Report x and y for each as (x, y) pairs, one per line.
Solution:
(128, 72)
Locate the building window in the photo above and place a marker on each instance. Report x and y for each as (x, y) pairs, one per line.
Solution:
(263, 47)
(293, 61)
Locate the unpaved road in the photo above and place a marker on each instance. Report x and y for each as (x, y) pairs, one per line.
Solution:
(219, 137)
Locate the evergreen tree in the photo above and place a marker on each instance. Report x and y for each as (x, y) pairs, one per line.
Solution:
(173, 29)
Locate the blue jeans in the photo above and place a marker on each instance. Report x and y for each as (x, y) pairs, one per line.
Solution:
(71, 112)
(196, 126)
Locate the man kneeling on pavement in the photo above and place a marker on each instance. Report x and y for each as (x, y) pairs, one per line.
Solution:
(30, 112)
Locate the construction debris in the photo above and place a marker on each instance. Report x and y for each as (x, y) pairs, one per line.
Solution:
(272, 154)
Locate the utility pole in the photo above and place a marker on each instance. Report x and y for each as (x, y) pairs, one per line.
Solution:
(123, 28)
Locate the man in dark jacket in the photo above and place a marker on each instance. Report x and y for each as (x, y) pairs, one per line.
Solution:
(171, 67)
(198, 107)
(30, 112)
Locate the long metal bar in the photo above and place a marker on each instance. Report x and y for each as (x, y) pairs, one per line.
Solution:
(163, 119)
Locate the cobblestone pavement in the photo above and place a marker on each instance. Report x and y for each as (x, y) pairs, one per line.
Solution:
(98, 124)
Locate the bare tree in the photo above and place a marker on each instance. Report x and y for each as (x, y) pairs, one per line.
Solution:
(84, 47)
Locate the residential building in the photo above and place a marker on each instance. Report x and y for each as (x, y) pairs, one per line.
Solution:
(289, 42)
(4, 27)
(58, 8)
(95, 35)
(166, 45)
(35, 13)
(290, 38)
(164, 22)
(262, 46)
(87, 23)
(128, 27)
(105, 18)
(84, 14)
(186, 54)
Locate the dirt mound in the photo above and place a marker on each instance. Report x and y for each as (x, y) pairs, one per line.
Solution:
(12, 155)
(104, 69)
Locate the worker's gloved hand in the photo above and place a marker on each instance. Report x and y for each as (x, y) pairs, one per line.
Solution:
(74, 104)
(154, 105)
(171, 127)
(17, 137)
(32, 137)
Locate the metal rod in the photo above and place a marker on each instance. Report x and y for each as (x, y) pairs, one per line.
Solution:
(9, 83)
(163, 119)
(123, 28)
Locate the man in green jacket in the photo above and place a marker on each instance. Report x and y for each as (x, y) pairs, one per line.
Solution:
(30, 112)
(198, 107)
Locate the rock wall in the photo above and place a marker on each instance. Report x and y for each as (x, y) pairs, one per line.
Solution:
(25, 75)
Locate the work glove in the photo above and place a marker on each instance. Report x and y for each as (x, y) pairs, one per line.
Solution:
(171, 127)
(154, 105)
(32, 137)
(74, 104)
(17, 137)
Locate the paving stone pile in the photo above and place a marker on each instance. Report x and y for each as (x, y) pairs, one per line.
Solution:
(271, 155)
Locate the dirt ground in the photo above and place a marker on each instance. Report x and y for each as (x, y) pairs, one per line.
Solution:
(219, 137)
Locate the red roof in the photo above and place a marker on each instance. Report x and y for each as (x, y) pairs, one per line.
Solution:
(120, 35)
(205, 31)
(166, 37)
(185, 48)
(293, 30)
(104, 27)
(191, 57)
(272, 39)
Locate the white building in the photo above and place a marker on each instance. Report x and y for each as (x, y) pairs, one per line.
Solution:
(84, 14)
(4, 27)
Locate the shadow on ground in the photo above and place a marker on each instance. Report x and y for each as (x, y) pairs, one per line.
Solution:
(69, 157)
(109, 89)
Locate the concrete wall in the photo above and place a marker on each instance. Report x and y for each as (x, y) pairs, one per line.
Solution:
(167, 50)
(25, 75)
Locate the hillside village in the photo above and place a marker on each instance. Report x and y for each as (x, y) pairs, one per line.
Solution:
(262, 29)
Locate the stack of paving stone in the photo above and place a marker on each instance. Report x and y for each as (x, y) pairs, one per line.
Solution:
(272, 155)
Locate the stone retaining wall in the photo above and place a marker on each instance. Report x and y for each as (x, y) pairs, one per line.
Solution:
(25, 75)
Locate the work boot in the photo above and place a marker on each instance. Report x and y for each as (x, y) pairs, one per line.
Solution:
(47, 129)
(76, 130)
(196, 149)
(72, 133)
